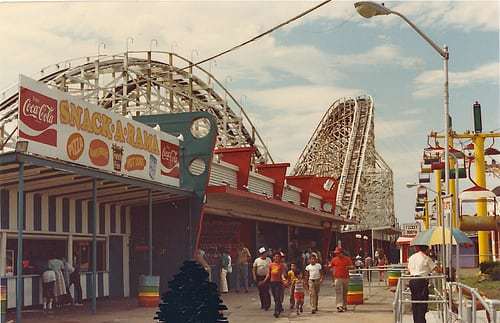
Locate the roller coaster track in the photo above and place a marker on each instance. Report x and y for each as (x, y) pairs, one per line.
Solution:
(343, 146)
(143, 82)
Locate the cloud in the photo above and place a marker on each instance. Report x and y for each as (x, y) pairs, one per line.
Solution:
(43, 36)
(384, 54)
(430, 83)
(287, 116)
(385, 129)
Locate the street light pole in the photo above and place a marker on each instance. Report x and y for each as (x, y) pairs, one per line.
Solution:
(370, 9)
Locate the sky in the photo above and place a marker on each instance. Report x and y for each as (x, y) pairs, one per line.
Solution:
(291, 77)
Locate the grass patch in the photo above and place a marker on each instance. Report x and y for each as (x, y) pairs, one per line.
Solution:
(489, 288)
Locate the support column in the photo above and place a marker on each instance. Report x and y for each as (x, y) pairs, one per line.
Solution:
(3, 252)
(69, 255)
(150, 232)
(20, 228)
(373, 248)
(437, 178)
(94, 246)
(426, 215)
(452, 188)
(483, 236)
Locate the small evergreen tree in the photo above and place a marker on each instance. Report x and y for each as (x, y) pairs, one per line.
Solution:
(191, 298)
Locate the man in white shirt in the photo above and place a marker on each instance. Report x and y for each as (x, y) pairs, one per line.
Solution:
(315, 277)
(420, 265)
(260, 270)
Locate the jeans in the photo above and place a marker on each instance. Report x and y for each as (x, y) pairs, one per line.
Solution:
(265, 298)
(292, 298)
(419, 292)
(242, 276)
(277, 290)
(75, 280)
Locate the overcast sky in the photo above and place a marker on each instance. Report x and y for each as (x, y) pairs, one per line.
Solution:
(291, 77)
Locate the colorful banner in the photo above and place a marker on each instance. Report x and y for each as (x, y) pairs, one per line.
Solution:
(64, 127)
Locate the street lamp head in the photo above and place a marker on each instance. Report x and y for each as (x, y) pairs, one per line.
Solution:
(411, 185)
(369, 9)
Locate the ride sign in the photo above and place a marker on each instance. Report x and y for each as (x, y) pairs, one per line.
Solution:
(58, 125)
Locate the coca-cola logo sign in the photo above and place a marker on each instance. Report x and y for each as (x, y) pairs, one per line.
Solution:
(37, 113)
(169, 159)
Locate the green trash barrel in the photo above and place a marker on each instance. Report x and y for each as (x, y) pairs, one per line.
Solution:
(149, 291)
(3, 300)
(393, 277)
(355, 289)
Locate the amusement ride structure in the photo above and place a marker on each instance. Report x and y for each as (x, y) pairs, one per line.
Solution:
(343, 146)
(144, 82)
(151, 82)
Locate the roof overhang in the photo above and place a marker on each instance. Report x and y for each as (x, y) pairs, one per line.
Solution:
(404, 240)
(227, 201)
(63, 179)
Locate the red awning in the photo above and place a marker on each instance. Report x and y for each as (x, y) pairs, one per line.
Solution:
(228, 201)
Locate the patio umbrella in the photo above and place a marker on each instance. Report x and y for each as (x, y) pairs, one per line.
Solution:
(434, 236)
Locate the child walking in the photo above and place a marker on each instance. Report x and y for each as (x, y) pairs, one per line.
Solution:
(292, 278)
(299, 291)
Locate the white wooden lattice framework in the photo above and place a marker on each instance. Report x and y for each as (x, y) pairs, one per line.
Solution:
(142, 82)
(343, 147)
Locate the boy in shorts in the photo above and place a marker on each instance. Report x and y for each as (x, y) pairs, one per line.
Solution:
(299, 291)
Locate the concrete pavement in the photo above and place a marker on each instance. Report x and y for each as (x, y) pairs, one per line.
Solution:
(243, 308)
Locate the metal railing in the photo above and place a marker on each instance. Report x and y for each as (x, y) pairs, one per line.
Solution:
(456, 302)
(436, 296)
(375, 276)
(466, 310)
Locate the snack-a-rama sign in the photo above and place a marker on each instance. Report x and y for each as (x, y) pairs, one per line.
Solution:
(58, 125)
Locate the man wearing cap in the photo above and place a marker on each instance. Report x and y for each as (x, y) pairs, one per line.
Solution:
(260, 271)
(315, 277)
(420, 265)
(340, 266)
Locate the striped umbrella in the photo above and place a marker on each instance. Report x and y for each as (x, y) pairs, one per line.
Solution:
(434, 236)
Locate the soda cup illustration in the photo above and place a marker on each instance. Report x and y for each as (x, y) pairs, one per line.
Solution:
(117, 157)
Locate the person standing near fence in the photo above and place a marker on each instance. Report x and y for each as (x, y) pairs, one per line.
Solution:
(225, 270)
(260, 270)
(420, 265)
(242, 262)
(382, 263)
(340, 266)
(315, 278)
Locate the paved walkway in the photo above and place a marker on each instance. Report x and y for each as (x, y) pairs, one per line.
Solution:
(243, 308)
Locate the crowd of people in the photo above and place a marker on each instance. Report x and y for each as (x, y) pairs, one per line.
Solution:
(300, 274)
